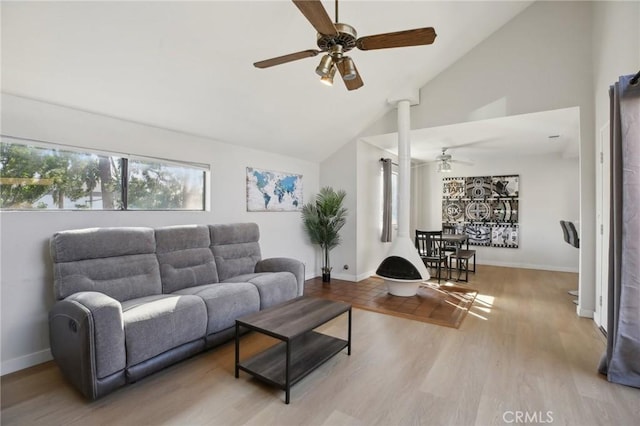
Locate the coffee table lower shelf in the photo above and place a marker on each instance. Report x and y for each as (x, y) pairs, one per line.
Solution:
(307, 353)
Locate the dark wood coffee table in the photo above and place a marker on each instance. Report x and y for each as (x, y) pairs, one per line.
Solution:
(302, 349)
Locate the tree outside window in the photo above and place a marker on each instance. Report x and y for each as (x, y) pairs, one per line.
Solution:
(33, 177)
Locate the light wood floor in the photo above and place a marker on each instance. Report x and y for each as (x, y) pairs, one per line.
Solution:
(521, 349)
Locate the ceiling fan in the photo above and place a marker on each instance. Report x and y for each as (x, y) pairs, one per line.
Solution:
(336, 39)
(444, 161)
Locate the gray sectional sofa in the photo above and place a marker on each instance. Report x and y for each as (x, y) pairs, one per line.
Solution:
(131, 301)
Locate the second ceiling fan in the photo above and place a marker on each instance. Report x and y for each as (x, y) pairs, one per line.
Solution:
(444, 161)
(336, 39)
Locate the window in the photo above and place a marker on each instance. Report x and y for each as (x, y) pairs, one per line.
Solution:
(37, 176)
(162, 186)
(394, 195)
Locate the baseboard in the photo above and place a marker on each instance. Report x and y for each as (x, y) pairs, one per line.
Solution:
(365, 275)
(531, 266)
(596, 319)
(344, 277)
(25, 361)
(584, 313)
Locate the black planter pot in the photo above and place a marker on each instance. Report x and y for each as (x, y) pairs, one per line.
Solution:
(326, 277)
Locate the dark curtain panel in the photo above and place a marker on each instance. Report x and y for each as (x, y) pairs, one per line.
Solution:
(386, 200)
(621, 362)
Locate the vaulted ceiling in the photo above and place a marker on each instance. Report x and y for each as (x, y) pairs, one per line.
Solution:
(187, 66)
(539, 133)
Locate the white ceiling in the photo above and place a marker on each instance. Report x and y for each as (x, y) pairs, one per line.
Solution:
(540, 133)
(187, 66)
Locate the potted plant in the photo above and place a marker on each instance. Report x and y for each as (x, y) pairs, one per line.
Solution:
(323, 220)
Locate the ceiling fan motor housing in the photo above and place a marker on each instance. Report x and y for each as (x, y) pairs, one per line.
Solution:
(346, 38)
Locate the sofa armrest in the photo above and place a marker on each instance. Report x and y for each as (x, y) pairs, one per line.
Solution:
(87, 341)
(284, 264)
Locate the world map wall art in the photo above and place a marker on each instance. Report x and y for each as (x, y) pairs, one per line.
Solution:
(485, 208)
(269, 191)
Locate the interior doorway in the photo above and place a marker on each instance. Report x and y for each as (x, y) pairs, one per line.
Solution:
(603, 192)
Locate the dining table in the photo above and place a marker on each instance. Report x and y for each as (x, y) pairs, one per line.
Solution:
(457, 239)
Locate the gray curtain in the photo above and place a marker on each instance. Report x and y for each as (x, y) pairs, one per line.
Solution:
(386, 200)
(621, 362)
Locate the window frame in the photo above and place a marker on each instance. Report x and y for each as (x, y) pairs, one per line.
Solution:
(124, 183)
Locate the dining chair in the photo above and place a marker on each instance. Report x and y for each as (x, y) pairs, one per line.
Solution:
(449, 229)
(431, 250)
(462, 258)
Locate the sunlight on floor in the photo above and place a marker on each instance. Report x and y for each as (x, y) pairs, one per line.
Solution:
(478, 316)
(485, 299)
(483, 303)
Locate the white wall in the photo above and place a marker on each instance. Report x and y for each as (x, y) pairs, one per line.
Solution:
(26, 270)
(548, 193)
(339, 172)
(370, 250)
(616, 52)
(539, 61)
(356, 169)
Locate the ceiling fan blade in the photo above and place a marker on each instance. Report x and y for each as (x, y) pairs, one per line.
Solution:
(468, 163)
(354, 83)
(473, 143)
(317, 16)
(405, 38)
(286, 58)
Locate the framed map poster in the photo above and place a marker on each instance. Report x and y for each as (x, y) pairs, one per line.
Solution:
(269, 191)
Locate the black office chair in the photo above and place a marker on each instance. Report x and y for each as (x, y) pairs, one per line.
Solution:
(565, 231)
(574, 240)
(431, 250)
(570, 234)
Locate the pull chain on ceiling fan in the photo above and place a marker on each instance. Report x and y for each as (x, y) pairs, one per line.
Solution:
(336, 39)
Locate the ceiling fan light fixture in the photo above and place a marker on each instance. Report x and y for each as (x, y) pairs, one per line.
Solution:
(325, 66)
(444, 167)
(328, 79)
(349, 69)
(336, 39)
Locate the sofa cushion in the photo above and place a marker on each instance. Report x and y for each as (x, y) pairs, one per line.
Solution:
(185, 257)
(181, 237)
(119, 262)
(94, 243)
(274, 287)
(120, 277)
(225, 302)
(155, 324)
(234, 233)
(235, 248)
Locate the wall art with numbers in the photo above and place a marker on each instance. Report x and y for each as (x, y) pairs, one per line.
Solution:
(483, 207)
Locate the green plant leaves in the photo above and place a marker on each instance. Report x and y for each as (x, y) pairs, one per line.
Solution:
(323, 220)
